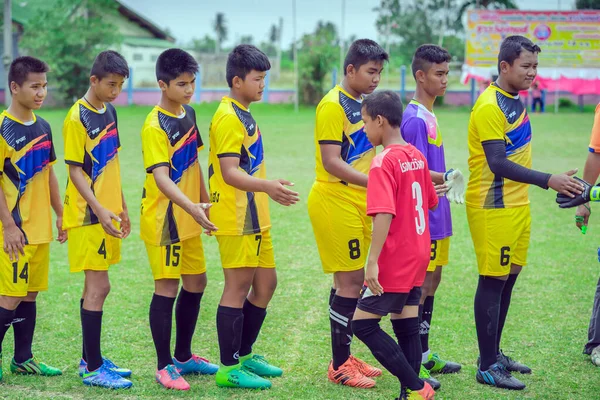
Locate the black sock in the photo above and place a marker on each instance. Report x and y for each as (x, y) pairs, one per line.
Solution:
(487, 310)
(161, 322)
(83, 357)
(504, 304)
(331, 295)
(24, 326)
(253, 319)
(387, 351)
(425, 324)
(186, 316)
(6, 318)
(230, 325)
(407, 333)
(91, 323)
(340, 318)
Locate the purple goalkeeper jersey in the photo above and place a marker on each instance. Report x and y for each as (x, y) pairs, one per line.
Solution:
(420, 128)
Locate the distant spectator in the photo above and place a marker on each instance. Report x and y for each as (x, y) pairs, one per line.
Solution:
(536, 95)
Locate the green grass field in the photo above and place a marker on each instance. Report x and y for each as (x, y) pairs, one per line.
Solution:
(546, 327)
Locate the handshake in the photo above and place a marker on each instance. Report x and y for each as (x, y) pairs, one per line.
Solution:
(455, 186)
(589, 193)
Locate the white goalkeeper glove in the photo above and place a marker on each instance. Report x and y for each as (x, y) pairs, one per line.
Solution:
(455, 182)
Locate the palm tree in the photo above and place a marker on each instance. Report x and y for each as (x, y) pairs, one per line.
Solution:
(220, 27)
(488, 4)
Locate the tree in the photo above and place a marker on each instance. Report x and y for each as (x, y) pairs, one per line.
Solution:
(587, 4)
(488, 4)
(246, 39)
(71, 52)
(408, 25)
(220, 27)
(317, 55)
(206, 44)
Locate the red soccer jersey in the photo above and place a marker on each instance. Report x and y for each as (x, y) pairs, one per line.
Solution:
(400, 184)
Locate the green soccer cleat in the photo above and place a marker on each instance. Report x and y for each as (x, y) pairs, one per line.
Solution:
(236, 376)
(436, 365)
(426, 376)
(33, 367)
(260, 366)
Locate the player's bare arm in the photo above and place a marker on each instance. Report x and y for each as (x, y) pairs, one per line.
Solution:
(381, 228)
(173, 193)
(125, 221)
(14, 240)
(276, 188)
(57, 206)
(495, 153)
(105, 216)
(333, 163)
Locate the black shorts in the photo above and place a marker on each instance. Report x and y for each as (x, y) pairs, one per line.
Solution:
(388, 302)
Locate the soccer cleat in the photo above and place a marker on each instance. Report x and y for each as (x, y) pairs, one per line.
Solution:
(105, 378)
(196, 365)
(33, 367)
(436, 365)
(426, 376)
(512, 365)
(349, 375)
(123, 372)
(427, 393)
(236, 376)
(259, 365)
(366, 369)
(499, 377)
(595, 357)
(170, 378)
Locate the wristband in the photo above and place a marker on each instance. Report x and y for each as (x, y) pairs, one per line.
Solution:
(595, 193)
(447, 173)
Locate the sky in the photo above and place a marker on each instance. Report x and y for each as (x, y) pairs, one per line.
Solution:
(193, 18)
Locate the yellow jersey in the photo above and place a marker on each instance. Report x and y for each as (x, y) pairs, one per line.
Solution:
(92, 142)
(27, 151)
(339, 122)
(172, 141)
(497, 115)
(235, 133)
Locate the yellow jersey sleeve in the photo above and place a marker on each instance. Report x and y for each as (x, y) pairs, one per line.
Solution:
(330, 124)
(229, 137)
(489, 122)
(155, 148)
(75, 139)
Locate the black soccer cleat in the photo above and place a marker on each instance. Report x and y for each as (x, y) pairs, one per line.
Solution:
(499, 377)
(512, 365)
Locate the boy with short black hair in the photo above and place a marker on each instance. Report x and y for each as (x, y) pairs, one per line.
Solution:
(175, 208)
(337, 202)
(399, 194)
(420, 128)
(95, 210)
(240, 192)
(28, 188)
(497, 200)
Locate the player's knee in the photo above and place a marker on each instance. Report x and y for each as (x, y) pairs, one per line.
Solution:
(363, 328)
(98, 291)
(194, 283)
(10, 302)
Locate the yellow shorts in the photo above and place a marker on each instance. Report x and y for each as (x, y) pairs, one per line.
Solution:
(341, 226)
(29, 274)
(500, 237)
(92, 249)
(439, 253)
(174, 260)
(255, 250)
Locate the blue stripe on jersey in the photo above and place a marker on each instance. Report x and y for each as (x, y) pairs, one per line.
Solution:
(104, 152)
(256, 154)
(356, 146)
(184, 157)
(519, 137)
